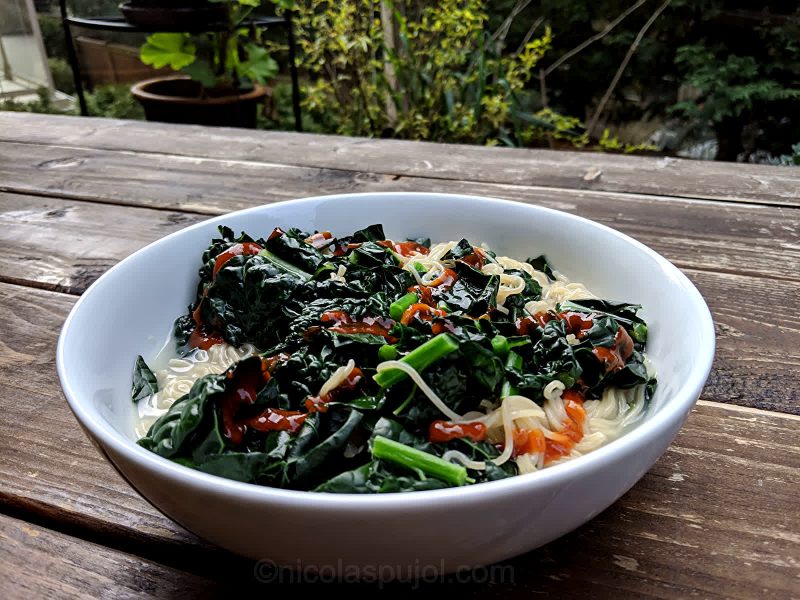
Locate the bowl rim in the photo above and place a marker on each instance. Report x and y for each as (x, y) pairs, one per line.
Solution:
(673, 411)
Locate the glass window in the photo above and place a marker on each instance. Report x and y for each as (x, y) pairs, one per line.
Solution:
(23, 64)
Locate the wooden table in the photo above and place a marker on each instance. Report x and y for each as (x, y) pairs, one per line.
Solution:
(717, 516)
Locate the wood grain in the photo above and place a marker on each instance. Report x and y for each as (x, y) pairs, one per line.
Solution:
(65, 245)
(758, 331)
(56, 244)
(695, 525)
(728, 237)
(39, 563)
(575, 170)
(716, 517)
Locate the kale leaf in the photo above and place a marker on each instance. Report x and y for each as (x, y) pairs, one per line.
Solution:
(144, 381)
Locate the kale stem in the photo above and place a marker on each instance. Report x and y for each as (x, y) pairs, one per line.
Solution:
(419, 359)
(398, 307)
(400, 454)
(283, 265)
(514, 361)
(406, 402)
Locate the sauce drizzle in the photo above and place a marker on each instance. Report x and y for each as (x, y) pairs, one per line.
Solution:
(320, 403)
(246, 248)
(344, 323)
(444, 431)
(615, 357)
(404, 248)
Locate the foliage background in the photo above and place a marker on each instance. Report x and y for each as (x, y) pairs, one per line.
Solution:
(704, 78)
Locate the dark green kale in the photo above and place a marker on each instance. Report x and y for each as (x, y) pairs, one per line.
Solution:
(540, 264)
(144, 381)
(312, 307)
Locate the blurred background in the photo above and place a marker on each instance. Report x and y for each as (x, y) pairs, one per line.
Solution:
(704, 79)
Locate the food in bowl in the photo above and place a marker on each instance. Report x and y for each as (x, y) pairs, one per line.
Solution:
(360, 364)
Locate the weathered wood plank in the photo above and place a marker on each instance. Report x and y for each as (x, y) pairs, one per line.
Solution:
(696, 524)
(36, 562)
(65, 245)
(689, 528)
(56, 244)
(758, 332)
(748, 239)
(575, 170)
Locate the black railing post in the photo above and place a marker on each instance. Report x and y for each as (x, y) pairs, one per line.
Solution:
(298, 121)
(72, 56)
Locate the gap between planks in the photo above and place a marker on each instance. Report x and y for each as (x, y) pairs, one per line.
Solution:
(38, 562)
(662, 531)
(567, 169)
(223, 163)
(654, 523)
(747, 240)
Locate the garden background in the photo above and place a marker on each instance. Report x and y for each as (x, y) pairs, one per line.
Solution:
(696, 78)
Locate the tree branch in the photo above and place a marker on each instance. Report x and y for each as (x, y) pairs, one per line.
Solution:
(502, 31)
(387, 27)
(543, 87)
(618, 75)
(530, 33)
(565, 57)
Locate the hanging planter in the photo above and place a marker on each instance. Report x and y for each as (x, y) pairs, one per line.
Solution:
(177, 99)
(181, 15)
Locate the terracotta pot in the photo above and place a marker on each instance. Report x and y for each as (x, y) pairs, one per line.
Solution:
(178, 99)
(183, 14)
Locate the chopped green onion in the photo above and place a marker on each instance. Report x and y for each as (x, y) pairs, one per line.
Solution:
(521, 340)
(398, 307)
(500, 345)
(387, 352)
(514, 361)
(419, 359)
(442, 305)
(406, 456)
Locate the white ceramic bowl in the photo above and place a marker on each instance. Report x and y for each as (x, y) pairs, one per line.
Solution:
(130, 308)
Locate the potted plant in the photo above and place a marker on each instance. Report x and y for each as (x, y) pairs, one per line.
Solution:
(181, 14)
(222, 73)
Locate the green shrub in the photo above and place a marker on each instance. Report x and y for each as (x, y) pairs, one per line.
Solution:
(280, 113)
(792, 159)
(53, 36)
(62, 75)
(43, 104)
(113, 101)
(735, 89)
(446, 78)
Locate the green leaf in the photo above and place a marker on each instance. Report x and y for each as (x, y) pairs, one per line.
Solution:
(169, 433)
(640, 332)
(259, 67)
(168, 49)
(202, 72)
(540, 264)
(474, 292)
(309, 462)
(239, 466)
(373, 233)
(375, 478)
(144, 381)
